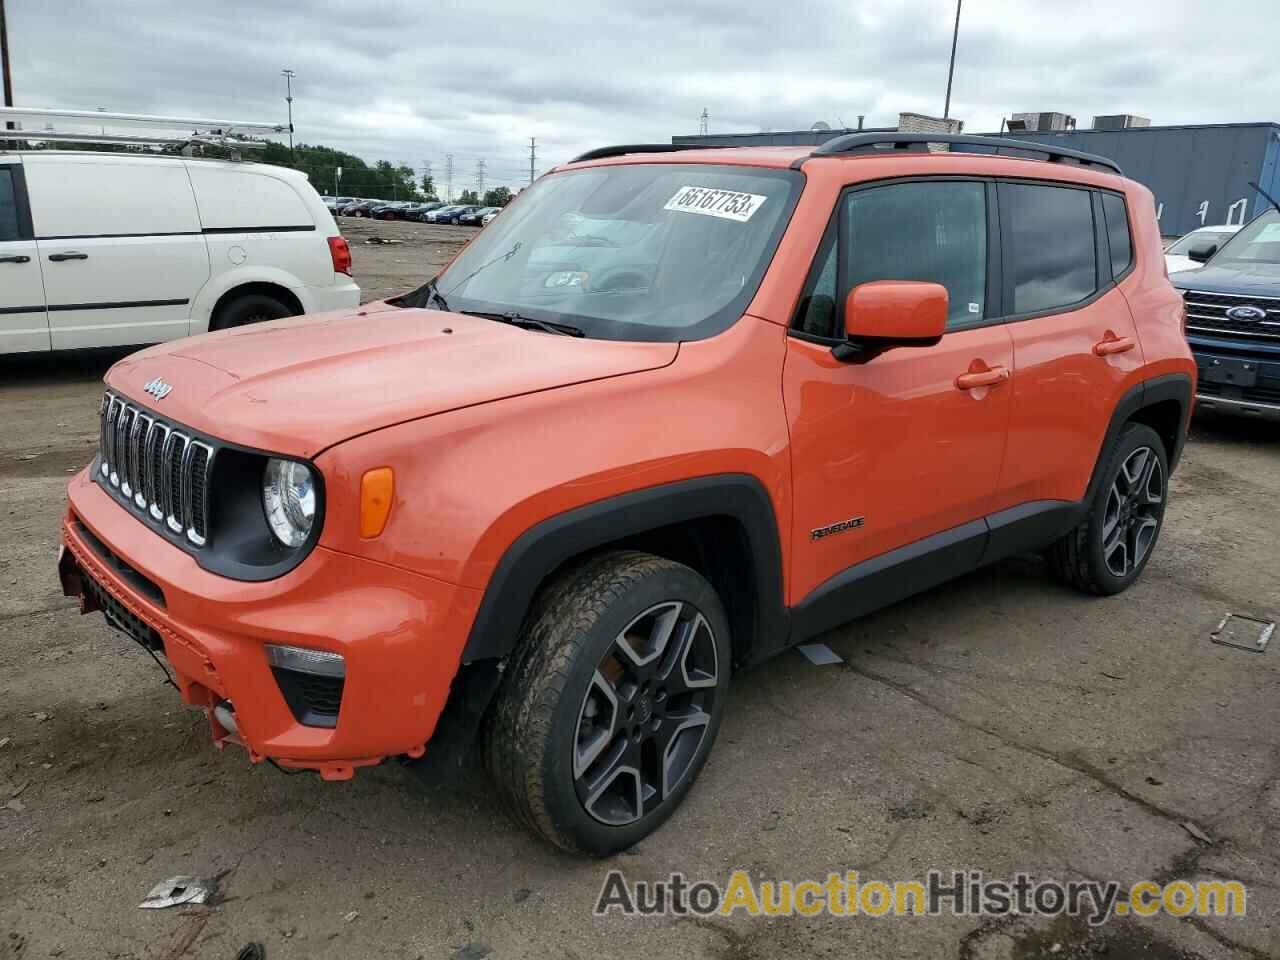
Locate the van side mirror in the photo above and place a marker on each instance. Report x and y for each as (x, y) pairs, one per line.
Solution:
(892, 313)
(1201, 252)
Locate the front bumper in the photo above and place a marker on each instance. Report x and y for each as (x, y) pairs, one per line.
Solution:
(401, 635)
(1261, 399)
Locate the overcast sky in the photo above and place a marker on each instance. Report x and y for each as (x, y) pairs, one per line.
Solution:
(413, 82)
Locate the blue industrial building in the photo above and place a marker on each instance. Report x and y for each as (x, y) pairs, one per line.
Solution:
(1200, 174)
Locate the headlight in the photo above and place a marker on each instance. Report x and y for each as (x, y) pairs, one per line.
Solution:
(289, 499)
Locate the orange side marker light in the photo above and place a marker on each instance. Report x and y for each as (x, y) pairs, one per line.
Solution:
(377, 490)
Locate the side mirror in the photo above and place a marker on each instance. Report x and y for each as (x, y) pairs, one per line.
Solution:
(1202, 252)
(889, 313)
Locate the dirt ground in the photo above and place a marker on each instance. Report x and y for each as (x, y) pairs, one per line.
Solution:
(1000, 723)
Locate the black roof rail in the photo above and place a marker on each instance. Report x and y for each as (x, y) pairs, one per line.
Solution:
(855, 143)
(601, 153)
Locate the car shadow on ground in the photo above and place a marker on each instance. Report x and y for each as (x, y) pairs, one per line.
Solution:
(39, 369)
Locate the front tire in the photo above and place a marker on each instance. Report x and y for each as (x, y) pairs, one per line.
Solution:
(611, 703)
(1110, 548)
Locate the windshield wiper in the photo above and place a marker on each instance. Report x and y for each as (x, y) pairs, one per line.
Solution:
(528, 323)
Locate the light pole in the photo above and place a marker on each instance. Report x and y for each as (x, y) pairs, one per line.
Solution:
(4, 65)
(951, 70)
(288, 97)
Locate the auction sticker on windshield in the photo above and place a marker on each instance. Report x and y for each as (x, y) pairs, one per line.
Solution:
(710, 202)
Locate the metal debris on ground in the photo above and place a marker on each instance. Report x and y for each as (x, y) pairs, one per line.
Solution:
(1243, 632)
(252, 951)
(178, 890)
(819, 654)
(381, 240)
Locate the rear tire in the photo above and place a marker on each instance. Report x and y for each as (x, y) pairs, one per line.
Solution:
(1110, 547)
(249, 308)
(611, 703)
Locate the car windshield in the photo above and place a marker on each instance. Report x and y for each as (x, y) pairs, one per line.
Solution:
(1197, 238)
(1259, 242)
(656, 252)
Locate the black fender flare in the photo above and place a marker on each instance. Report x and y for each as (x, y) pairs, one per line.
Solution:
(545, 547)
(1171, 386)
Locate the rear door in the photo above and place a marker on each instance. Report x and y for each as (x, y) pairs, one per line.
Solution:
(900, 455)
(1075, 346)
(120, 245)
(24, 325)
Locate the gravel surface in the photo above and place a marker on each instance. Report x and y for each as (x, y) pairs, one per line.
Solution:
(1000, 723)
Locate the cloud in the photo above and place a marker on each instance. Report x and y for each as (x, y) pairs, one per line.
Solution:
(412, 82)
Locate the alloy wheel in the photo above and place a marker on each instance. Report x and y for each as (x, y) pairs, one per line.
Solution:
(1132, 514)
(646, 713)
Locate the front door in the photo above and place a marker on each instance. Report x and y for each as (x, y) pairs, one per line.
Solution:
(899, 454)
(24, 325)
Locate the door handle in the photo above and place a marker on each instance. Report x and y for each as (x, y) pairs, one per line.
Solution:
(59, 257)
(983, 378)
(19, 258)
(1113, 344)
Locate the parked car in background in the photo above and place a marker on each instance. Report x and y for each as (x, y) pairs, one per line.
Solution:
(360, 208)
(419, 210)
(1233, 319)
(393, 210)
(335, 204)
(452, 214)
(547, 510)
(1208, 239)
(476, 217)
(115, 249)
(488, 217)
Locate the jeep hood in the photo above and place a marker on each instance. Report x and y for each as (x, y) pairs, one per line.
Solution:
(299, 385)
(1246, 279)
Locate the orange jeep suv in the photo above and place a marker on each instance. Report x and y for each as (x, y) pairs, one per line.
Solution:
(671, 413)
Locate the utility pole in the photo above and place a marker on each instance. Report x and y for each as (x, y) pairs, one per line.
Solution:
(426, 175)
(533, 154)
(951, 70)
(480, 179)
(703, 121)
(4, 66)
(288, 98)
(448, 177)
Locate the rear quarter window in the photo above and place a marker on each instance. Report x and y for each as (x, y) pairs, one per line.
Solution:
(1113, 210)
(243, 199)
(99, 196)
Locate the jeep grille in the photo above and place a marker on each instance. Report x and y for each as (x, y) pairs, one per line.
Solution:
(162, 472)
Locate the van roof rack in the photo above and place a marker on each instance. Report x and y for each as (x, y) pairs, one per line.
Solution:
(601, 153)
(234, 135)
(864, 143)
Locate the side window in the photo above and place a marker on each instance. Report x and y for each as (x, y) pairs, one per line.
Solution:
(1050, 248)
(934, 231)
(8, 206)
(1121, 243)
(817, 312)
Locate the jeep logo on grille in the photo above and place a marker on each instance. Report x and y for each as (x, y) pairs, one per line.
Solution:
(158, 388)
(1247, 314)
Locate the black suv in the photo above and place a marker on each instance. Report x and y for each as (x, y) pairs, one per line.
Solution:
(1233, 320)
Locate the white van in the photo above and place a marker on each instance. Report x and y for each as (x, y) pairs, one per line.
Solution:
(113, 249)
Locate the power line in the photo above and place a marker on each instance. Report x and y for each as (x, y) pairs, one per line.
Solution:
(480, 178)
(448, 176)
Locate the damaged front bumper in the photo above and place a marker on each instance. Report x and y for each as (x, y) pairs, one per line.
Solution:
(398, 637)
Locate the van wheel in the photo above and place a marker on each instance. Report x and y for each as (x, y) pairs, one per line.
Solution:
(611, 703)
(1110, 548)
(250, 308)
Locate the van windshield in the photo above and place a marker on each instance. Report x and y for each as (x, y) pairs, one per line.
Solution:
(656, 252)
(1259, 242)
